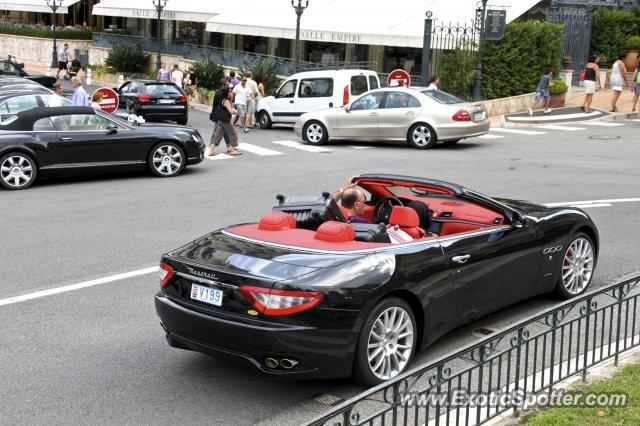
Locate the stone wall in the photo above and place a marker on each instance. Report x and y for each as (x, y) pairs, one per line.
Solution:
(35, 52)
(508, 105)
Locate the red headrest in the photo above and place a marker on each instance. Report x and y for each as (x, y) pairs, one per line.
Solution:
(277, 221)
(405, 217)
(335, 232)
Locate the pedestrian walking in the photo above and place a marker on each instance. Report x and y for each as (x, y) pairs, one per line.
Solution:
(95, 100)
(434, 83)
(635, 88)
(163, 73)
(252, 101)
(177, 76)
(223, 113)
(618, 81)
(233, 81)
(542, 91)
(56, 98)
(217, 100)
(242, 95)
(80, 96)
(63, 60)
(591, 82)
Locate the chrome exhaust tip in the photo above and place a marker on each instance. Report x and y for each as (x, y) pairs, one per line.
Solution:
(271, 362)
(288, 364)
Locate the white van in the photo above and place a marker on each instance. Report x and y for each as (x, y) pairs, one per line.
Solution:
(314, 90)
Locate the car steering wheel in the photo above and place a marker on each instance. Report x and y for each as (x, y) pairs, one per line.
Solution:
(383, 208)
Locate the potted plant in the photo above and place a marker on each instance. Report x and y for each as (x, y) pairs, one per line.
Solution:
(557, 90)
(633, 51)
(566, 62)
(602, 60)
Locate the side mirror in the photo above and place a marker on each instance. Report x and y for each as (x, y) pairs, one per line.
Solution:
(518, 220)
(275, 94)
(347, 108)
(112, 128)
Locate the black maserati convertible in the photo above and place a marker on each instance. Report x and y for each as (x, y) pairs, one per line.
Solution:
(72, 140)
(305, 293)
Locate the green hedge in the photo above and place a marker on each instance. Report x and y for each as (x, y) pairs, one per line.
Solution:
(84, 34)
(611, 32)
(514, 65)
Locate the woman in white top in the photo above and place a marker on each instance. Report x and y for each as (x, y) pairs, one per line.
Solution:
(618, 80)
(434, 82)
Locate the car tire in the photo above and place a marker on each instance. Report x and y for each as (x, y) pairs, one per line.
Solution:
(315, 133)
(163, 158)
(451, 142)
(264, 120)
(391, 349)
(577, 266)
(17, 171)
(182, 121)
(421, 136)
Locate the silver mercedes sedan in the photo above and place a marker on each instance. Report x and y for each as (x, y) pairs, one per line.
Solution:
(418, 116)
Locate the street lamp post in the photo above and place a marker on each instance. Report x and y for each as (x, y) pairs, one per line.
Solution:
(480, 16)
(299, 8)
(54, 5)
(159, 5)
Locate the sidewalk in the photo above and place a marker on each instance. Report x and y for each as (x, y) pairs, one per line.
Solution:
(601, 99)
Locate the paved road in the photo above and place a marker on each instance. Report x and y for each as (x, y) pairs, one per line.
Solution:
(97, 355)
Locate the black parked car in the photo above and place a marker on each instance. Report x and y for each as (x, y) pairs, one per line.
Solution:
(303, 293)
(10, 69)
(12, 103)
(161, 100)
(71, 140)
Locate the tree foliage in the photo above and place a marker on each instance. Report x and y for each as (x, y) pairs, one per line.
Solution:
(611, 31)
(264, 71)
(207, 74)
(128, 58)
(457, 72)
(513, 66)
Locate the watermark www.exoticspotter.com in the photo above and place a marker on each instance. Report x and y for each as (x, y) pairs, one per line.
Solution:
(518, 398)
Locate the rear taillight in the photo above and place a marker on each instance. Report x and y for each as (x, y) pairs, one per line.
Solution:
(183, 99)
(345, 95)
(165, 273)
(280, 302)
(462, 115)
(144, 99)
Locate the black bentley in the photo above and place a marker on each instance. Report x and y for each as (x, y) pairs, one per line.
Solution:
(72, 140)
(305, 293)
(9, 68)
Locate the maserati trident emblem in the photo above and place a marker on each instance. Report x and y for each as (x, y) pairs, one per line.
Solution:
(202, 274)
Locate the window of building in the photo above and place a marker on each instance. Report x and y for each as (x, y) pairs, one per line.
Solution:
(316, 87)
(359, 85)
(406, 58)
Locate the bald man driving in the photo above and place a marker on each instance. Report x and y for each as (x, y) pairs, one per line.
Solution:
(353, 201)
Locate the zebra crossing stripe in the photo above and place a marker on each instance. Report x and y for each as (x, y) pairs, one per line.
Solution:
(259, 150)
(563, 128)
(303, 147)
(603, 124)
(488, 136)
(219, 157)
(516, 131)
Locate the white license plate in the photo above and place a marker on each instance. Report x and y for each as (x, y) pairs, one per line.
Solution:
(478, 115)
(206, 294)
(165, 101)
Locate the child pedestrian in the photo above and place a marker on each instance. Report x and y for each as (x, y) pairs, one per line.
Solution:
(542, 91)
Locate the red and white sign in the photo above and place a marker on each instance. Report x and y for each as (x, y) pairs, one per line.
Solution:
(109, 102)
(399, 78)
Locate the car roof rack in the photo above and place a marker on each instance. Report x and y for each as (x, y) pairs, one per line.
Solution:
(338, 65)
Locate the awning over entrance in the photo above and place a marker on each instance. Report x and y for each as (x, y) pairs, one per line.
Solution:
(376, 22)
(35, 6)
(178, 10)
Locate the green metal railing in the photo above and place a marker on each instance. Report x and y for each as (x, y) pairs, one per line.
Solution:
(523, 360)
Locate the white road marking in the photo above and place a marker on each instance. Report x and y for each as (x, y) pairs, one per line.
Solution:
(588, 206)
(516, 131)
(359, 146)
(565, 128)
(219, 157)
(488, 136)
(259, 150)
(579, 203)
(556, 117)
(78, 286)
(303, 147)
(603, 124)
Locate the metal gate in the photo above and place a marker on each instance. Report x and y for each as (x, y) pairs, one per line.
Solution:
(578, 23)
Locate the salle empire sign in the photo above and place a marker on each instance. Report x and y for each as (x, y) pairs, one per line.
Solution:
(146, 13)
(332, 37)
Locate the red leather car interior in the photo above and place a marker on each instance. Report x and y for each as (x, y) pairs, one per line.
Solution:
(407, 219)
(335, 232)
(277, 221)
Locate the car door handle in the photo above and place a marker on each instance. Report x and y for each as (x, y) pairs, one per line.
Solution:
(461, 259)
(409, 113)
(65, 139)
(373, 114)
(290, 102)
